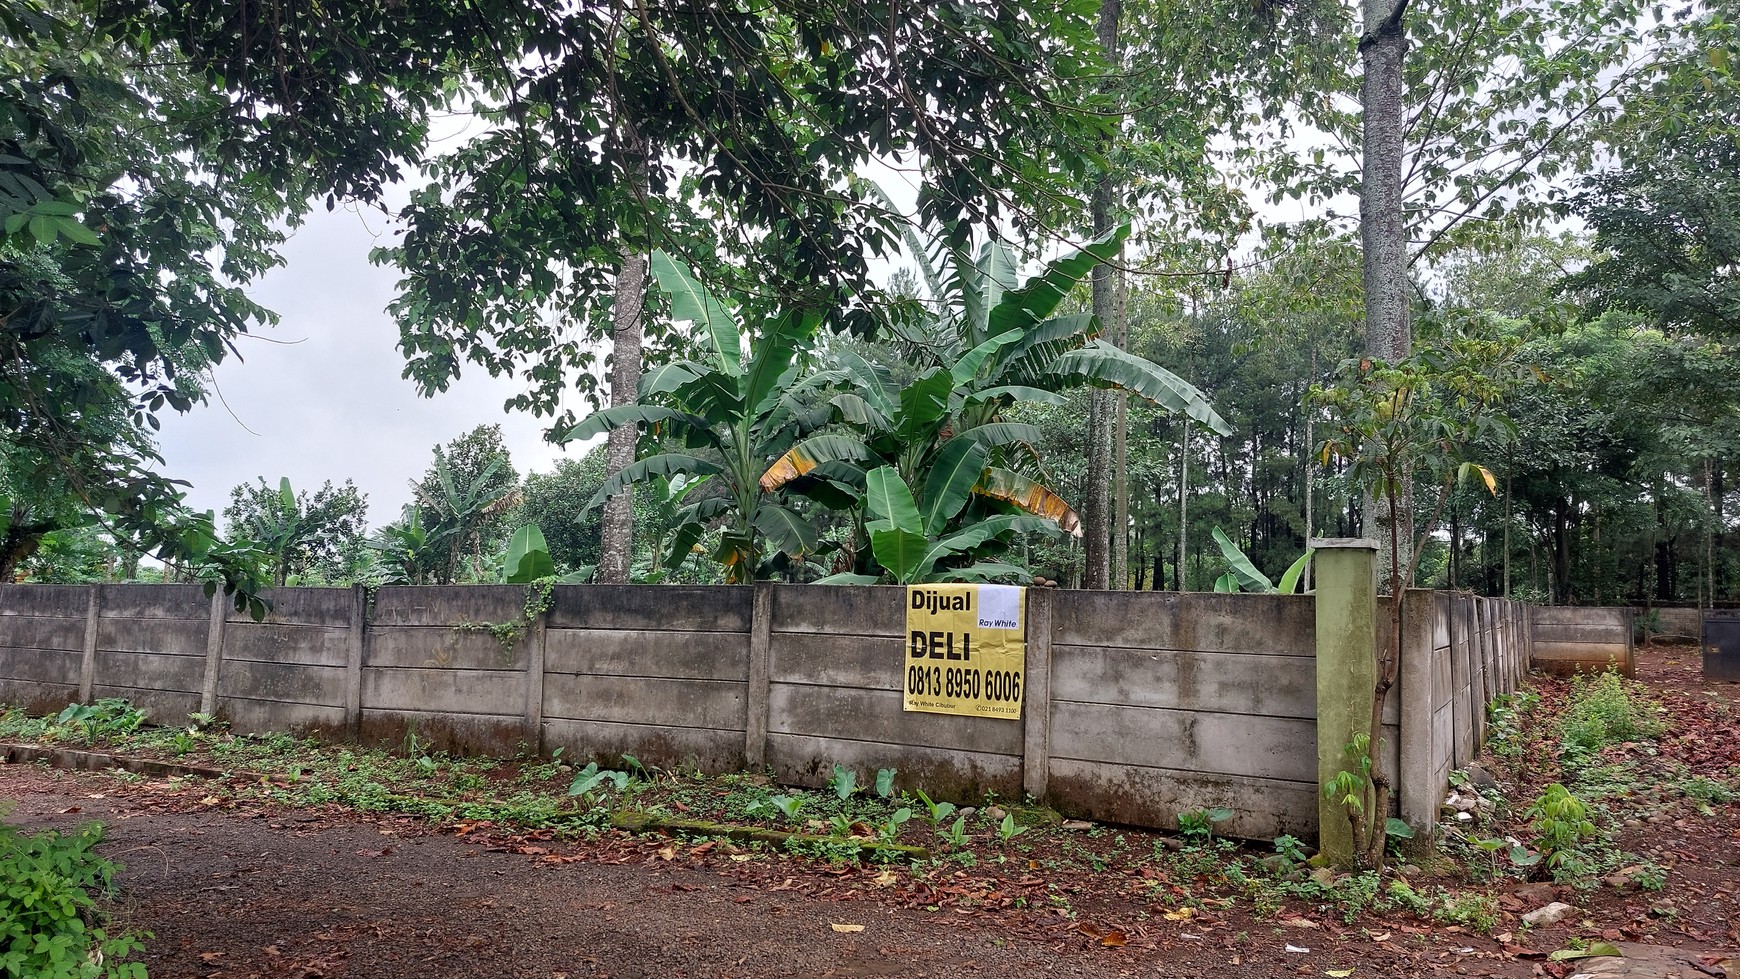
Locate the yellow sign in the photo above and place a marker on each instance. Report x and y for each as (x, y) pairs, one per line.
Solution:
(966, 649)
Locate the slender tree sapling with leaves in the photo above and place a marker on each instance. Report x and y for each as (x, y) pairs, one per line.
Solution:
(1395, 425)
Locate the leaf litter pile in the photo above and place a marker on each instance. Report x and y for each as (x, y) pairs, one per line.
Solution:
(366, 859)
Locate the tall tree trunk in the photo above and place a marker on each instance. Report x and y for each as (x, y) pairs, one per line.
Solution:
(1120, 452)
(1561, 552)
(1310, 460)
(616, 547)
(1178, 578)
(1509, 466)
(1096, 515)
(1384, 240)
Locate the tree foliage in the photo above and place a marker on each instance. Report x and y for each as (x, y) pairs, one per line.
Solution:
(316, 537)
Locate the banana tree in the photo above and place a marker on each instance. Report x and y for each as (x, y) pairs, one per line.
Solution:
(909, 535)
(1243, 575)
(996, 343)
(736, 413)
(460, 509)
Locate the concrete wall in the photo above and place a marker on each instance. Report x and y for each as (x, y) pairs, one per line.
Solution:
(1675, 625)
(1569, 639)
(1164, 702)
(42, 639)
(1137, 706)
(1459, 653)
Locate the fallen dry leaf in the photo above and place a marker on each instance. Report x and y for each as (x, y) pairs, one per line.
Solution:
(1114, 939)
(845, 929)
(1182, 914)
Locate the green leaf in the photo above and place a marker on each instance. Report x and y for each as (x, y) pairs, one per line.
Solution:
(75, 232)
(968, 366)
(872, 380)
(528, 557)
(848, 578)
(620, 416)
(1295, 571)
(1018, 392)
(1039, 296)
(1226, 583)
(995, 434)
(771, 357)
(664, 464)
(691, 301)
(1398, 829)
(1102, 365)
(953, 474)
(923, 403)
(1240, 567)
(900, 551)
(785, 529)
(889, 499)
(986, 571)
(1594, 950)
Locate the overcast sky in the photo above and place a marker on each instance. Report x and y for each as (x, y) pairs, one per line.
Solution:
(320, 397)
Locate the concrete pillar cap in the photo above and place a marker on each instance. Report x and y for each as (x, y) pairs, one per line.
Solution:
(1342, 543)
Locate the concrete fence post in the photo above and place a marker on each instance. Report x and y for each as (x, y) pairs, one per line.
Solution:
(353, 660)
(760, 694)
(1346, 625)
(1036, 695)
(536, 634)
(88, 660)
(1477, 676)
(1416, 795)
(214, 651)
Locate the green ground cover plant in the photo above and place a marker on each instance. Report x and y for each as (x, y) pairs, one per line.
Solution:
(52, 913)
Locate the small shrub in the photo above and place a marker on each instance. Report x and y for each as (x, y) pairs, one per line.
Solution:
(1199, 823)
(1707, 790)
(49, 917)
(1476, 912)
(1602, 711)
(1291, 847)
(1561, 823)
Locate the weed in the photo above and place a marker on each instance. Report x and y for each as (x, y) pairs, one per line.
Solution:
(49, 886)
(938, 811)
(1603, 711)
(591, 777)
(885, 783)
(844, 782)
(956, 834)
(1476, 912)
(1007, 830)
(1706, 790)
(1199, 823)
(786, 805)
(889, 830)
(1561, 823)
(1504, 717)
(1650, 877)
(1290, 847)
